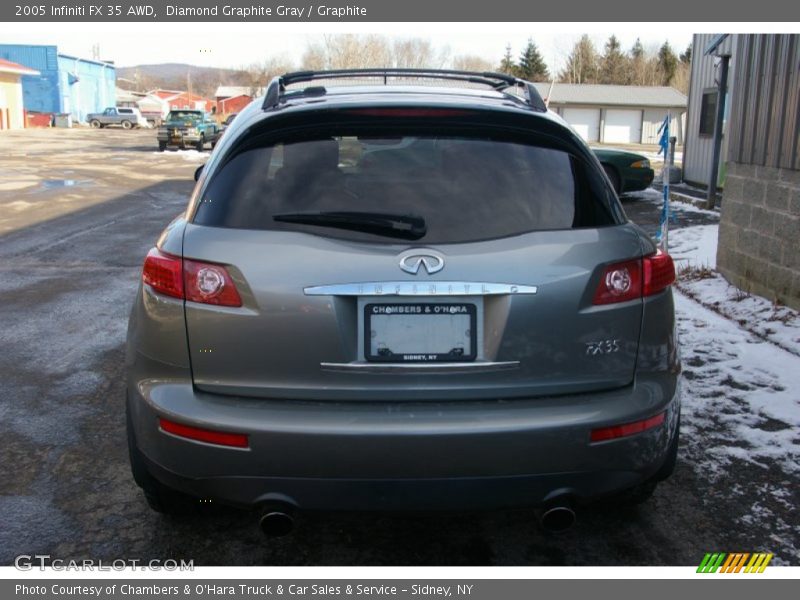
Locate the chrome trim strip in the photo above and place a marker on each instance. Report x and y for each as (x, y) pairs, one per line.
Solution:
(431, 368)
(413, 288)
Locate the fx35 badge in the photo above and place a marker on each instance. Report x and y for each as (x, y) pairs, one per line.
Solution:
(602, 347)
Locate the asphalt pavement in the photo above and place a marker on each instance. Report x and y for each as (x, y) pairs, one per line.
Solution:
(78, 211)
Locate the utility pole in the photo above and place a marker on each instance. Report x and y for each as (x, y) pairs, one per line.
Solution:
(722, 88)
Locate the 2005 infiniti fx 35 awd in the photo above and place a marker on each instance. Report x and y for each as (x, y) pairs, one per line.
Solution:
(399, 295)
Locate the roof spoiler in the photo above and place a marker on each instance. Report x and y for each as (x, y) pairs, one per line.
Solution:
(496, 81)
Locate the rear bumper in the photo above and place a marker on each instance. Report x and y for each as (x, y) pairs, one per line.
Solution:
(182, 138)
(412, 455)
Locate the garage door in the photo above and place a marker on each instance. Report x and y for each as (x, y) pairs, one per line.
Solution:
(623, 127)
(585, 122)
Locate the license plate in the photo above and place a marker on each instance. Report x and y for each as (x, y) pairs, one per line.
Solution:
(420, 332)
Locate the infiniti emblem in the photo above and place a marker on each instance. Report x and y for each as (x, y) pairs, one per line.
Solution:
(412, 260)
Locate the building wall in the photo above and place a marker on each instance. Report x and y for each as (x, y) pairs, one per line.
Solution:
(654, 117)
(86, 87)
(759, 236)
(699, 149)
(65, 85)
(651, 119)
(235, 104)
(152, 105)
(40, 92)
(765, 115)
(12, 115)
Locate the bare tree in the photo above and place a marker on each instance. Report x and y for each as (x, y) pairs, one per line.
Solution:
(582, 63)
(418, 53)
(348, 51)
(257, 75)
(472, 62)
(352, 51)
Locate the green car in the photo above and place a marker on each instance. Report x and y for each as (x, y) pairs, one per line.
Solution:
(184, 128)
(627, 171)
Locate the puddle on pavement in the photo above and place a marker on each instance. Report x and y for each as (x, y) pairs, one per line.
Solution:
(55, 184)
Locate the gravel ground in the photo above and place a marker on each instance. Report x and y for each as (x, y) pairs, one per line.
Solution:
(78, 211)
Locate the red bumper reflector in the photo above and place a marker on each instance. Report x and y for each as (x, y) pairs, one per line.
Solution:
(618, 431)
(221, 438)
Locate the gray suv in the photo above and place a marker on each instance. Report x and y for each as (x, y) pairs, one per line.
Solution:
(400, 295)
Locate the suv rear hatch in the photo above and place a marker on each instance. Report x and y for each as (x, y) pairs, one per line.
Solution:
(424, 258)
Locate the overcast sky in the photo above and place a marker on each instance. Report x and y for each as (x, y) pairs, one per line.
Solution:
(238, 44)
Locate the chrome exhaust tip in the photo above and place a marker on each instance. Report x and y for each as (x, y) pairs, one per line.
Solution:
(276, 522)
(557, 518)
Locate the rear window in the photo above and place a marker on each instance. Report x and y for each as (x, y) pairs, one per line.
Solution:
(463, 188)
(183, 114)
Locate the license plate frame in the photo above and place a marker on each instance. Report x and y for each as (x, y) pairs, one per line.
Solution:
(427, 309)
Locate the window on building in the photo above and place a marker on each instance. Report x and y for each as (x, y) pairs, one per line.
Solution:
(708, 112)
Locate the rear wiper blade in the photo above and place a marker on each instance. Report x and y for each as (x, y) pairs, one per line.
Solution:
(407, 227)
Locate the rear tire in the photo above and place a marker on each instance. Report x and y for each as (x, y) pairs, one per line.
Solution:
(126, 124)
(159, 497)
(613, 177)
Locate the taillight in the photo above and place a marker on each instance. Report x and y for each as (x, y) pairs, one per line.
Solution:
(163, 273)
(635, 278)
(620, 282)
(191, 280)
(659, 273)
(209, 284)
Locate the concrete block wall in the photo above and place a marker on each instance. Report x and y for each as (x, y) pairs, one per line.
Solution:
(759, 232)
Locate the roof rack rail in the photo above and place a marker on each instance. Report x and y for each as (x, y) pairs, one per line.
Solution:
(497, 81)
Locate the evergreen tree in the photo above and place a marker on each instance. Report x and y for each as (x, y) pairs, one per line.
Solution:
(531, 64)
(667, 64)
(614, 66)
(637, 52)
(686, 55)
(507, 65)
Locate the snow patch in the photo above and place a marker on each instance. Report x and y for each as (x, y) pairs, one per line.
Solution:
(657, 196)
(694, 246)
(741, 398)
(189, 155)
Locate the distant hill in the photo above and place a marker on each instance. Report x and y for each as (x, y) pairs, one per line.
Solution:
(179, 76)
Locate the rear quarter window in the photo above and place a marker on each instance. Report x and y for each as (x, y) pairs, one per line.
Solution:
(465, 188)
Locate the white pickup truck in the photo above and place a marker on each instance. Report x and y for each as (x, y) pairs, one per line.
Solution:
(124, 117)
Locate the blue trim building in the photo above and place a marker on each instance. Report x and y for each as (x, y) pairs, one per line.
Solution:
(66, 84)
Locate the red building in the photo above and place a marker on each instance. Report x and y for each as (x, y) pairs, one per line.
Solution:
(232, 99)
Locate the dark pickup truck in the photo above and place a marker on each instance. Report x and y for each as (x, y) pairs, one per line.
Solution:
(184, 128)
